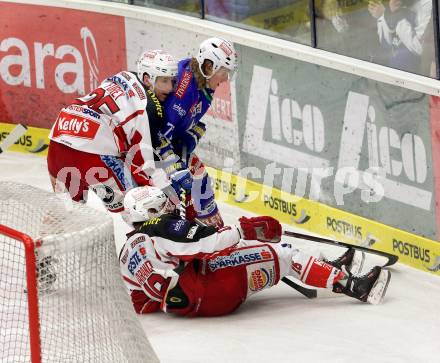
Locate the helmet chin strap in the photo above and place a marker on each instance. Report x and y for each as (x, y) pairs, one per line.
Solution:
(152, 81)
(203, 73)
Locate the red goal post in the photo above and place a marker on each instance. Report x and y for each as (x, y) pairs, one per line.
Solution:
(32, 294)
(61, 294)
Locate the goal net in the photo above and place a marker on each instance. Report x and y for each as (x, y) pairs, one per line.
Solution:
(62, 295)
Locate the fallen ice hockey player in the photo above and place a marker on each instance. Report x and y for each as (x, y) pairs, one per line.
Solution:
(180, 267)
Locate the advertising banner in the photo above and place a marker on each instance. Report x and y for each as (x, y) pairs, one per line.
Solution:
(34, 141)
(49, 56)
(413, 250)
(435, 137)
(220, 144)
(347, 141)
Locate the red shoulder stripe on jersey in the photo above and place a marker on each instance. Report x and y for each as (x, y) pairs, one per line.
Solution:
(132, 116)
(150, 307)
(121, 139)
(130, 281)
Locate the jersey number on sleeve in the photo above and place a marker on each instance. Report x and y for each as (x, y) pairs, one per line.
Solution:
(155, 286)
(96, 99)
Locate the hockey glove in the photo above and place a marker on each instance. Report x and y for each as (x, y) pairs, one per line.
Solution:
(264, 229)
(181, 179)
(194, 135)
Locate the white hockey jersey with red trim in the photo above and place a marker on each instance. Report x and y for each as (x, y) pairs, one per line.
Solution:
(150, 256)
(109, 120)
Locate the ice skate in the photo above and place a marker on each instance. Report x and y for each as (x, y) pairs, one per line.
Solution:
(352, 259)
(370, 287)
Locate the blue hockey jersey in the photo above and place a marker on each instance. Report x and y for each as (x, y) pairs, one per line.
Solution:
(184, 109)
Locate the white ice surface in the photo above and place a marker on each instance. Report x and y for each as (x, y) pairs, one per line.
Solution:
(280, 325)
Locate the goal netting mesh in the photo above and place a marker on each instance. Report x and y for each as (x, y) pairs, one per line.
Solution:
(85, 314)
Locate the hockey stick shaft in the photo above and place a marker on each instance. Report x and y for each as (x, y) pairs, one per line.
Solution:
(182, 205)
(307, 292)
(391, 259)
(13, 136)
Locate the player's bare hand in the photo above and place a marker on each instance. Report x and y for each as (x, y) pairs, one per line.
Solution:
(376, 9)
(395, 5)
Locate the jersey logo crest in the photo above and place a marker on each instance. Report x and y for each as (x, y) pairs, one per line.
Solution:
(75, 126)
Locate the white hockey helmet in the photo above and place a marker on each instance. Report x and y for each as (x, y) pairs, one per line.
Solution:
(156, 63)
(144, 203)
(220, 52)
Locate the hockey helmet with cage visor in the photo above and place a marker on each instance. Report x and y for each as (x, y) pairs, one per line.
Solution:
(156, 63)
(147, 202)
(221, 53)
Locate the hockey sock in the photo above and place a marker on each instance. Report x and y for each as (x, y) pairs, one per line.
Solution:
(315, 272)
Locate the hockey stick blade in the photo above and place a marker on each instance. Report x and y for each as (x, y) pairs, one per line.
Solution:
(308, 293)
(391, 259)
(13, 136)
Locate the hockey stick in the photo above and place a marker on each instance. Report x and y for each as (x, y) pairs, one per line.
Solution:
(312, 293)
(391, 259)
(182, 204)
(307, 292)
(182, 196)
(13, 136)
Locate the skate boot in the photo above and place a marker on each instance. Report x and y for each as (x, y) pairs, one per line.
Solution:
(46, 274)
(353, 260)
(370, 287)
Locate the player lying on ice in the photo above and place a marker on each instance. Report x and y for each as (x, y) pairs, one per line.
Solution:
(181, 267)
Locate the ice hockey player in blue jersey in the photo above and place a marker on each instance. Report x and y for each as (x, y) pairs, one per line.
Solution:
(175, 140)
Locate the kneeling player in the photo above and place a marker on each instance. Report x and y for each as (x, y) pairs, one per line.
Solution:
(181, 267)
(102, 140)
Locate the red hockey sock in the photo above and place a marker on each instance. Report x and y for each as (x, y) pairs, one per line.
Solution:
(320, 274)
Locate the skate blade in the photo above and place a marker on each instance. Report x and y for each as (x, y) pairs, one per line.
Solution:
(357, 263)
(379, 288)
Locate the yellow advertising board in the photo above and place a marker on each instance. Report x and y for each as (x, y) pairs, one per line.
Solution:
(413, 250)
(35, 140)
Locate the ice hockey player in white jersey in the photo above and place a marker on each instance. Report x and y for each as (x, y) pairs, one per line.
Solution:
(102, 141)
(177, 266)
